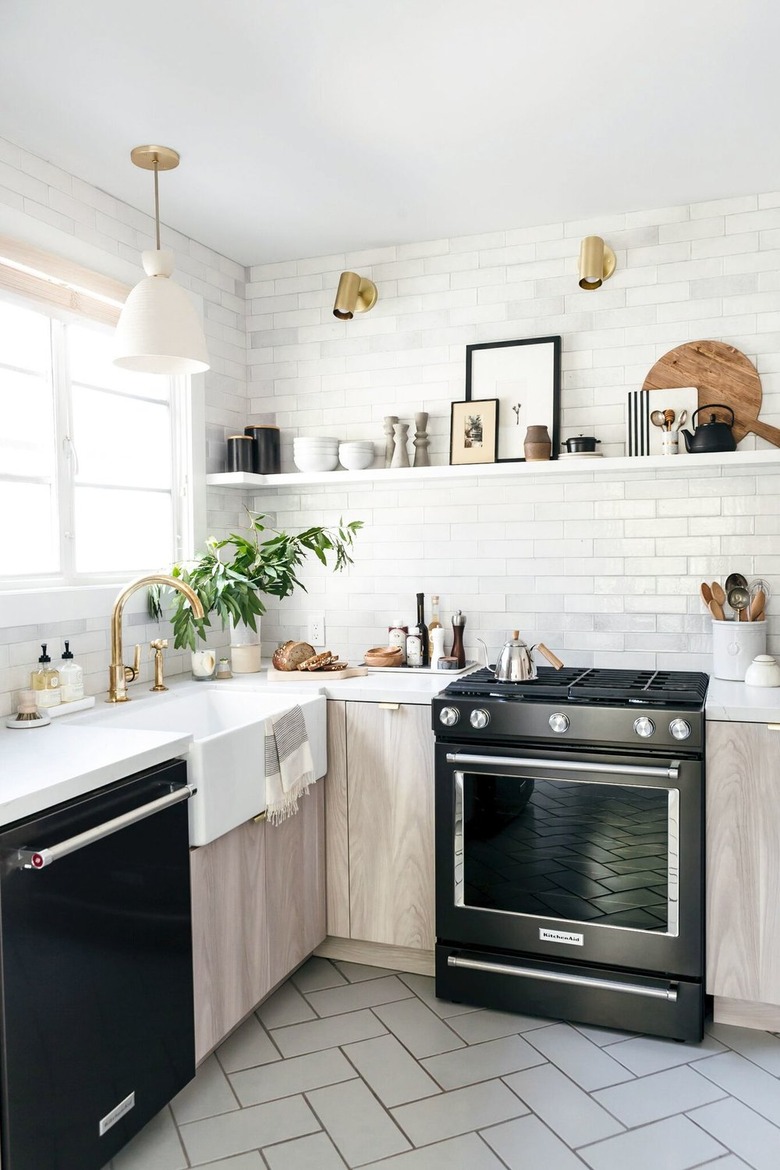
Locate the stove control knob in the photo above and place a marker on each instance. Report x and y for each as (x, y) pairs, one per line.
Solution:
(449, 716)
(644, 727)
(559, 722)
(479, 719)
(680, 728)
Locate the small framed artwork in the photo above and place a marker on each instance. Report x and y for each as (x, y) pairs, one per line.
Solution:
(474, 432)
(525, 378)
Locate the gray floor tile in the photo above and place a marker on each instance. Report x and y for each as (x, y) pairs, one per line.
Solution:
(418, 1029)
(747, 1135)
(567, 1109)
(248, 1129)
(647, 1054)
(285, 1006)
(248, 1046)
(424, 986)
(675, 1090)
(156, 1147)
(742, 1079)
(461, 1153)
(730, 1162)
(360, 1128)
(208, 1094)
(484, 1025)
(316, 1152)
(315, 974)
(763, 1048)
(458, 1112)
(527, 1144)
(330, 1033)
(356, 972)
(353, 996)
(482, 1062)
(251, 1161)
(587, 1064)
(674, 1144)
(602, 1036)
(392, 1073)
(297, 1075)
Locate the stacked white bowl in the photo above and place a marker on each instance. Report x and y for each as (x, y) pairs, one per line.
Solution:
(356, 455)
(315, 454)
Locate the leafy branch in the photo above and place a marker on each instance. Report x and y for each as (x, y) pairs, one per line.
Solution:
(264, 562)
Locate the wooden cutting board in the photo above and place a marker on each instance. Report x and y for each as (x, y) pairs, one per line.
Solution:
(320, 676)
(721, 374)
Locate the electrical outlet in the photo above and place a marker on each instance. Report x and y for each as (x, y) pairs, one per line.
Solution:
(317, 629)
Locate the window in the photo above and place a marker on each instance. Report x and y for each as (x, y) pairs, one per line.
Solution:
(89, 458)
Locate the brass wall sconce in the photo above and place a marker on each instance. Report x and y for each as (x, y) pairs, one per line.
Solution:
(597, 262)
(355, 294)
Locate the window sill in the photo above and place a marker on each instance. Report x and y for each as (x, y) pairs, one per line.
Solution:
(64, 603)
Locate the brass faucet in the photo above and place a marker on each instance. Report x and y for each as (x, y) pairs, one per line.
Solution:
(157, 646)
(120, 675)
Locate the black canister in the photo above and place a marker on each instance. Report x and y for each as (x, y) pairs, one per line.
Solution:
(267, 448)
(239, 453)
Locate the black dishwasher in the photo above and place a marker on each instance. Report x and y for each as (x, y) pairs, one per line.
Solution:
(96, 1018)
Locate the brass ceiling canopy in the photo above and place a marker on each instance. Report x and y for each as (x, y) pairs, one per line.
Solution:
(150, 158)
(597, 262)
(355, 294)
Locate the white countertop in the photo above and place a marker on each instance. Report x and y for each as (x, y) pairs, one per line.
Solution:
(733, 702)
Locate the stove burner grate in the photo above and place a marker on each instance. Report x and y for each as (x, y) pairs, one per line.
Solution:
(582, 685)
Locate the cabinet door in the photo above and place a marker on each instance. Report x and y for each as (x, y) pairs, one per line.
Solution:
(229, 934)
(295, 884)
(337, 822)
(390, 767)
(743, 862)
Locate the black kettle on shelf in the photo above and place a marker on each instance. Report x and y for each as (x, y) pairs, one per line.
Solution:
(710, 436)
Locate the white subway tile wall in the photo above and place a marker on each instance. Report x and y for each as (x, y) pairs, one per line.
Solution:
(604, 568)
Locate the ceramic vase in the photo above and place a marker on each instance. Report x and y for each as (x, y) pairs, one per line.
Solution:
(537, 445)
(389, 422)
(400, 455)
(421, 440)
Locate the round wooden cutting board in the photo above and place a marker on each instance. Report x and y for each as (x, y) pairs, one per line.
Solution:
(721, 374)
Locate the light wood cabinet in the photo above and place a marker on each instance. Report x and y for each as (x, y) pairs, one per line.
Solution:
(743, 872)
(258, 910)
(379, 800)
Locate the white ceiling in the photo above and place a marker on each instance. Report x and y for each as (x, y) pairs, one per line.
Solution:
(309, 127)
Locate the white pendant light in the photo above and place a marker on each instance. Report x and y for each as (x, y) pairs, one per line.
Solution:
(159, 330)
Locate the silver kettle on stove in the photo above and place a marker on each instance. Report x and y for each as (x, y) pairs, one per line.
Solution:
(515, 662)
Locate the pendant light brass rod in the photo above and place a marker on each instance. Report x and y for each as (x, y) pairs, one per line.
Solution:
(157, 200)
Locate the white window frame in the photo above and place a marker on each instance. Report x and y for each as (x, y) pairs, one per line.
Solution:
(69, 292)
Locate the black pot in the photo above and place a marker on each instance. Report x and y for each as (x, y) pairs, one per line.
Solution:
(581, 444)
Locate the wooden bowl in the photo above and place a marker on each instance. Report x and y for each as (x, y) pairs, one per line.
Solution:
(383, 656)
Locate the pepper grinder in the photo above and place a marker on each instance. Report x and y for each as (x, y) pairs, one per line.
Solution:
(458, 622)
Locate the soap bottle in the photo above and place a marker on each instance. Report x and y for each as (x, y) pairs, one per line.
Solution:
(396, 636)
(71, 677)
(458, 622)
(45, 682)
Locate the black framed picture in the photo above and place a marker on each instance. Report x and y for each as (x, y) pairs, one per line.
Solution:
(525, 379)
(473, 432)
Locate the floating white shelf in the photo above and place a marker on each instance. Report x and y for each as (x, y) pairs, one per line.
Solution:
(619, 465)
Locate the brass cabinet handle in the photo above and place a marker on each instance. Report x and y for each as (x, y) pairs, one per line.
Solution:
(388, 706)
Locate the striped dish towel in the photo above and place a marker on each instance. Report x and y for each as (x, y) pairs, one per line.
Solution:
(289, 768)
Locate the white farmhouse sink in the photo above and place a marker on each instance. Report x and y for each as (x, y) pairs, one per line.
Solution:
(226, 760)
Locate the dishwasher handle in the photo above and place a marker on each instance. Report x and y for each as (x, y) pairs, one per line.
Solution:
(40, 858)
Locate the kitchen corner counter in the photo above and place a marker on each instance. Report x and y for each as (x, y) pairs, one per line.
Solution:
(733, 702)
(62, 761)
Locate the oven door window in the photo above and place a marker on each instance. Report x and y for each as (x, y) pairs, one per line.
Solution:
(580, 851)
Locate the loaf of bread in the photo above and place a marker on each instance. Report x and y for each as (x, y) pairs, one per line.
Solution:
(290, 655)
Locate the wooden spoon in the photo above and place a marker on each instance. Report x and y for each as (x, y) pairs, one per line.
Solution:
(756, 606)
(716, 609)
(718, 593)
(706, 593)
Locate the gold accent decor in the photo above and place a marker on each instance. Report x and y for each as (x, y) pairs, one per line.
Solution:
(151, 158)
(597, 262)
(355, 294)
(118, 674)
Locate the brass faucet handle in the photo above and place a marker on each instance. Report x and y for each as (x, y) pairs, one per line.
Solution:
(132, 672)
(159, 644)
(157, 647)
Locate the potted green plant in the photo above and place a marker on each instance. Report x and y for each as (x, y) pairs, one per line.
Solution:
(232, 576)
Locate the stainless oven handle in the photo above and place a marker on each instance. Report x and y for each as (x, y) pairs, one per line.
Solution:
(670, 773)
(40, 858)
(668, 993)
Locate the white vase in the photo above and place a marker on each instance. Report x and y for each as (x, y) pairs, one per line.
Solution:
(245, 648)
